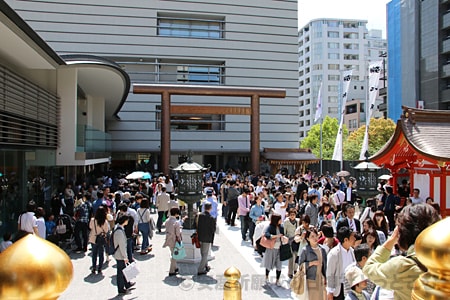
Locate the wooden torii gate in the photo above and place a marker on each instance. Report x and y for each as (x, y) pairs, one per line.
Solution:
(167, 90)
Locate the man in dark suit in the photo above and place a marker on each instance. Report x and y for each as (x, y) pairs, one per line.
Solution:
(349, 221)
(302, 186)
(206, 227)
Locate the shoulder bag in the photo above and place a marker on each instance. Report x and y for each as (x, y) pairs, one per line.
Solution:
(61, 227)
(178, 251)
(267, 243)
(100, 239)
(298, 284)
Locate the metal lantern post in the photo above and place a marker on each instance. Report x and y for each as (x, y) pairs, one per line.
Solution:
(190, 187)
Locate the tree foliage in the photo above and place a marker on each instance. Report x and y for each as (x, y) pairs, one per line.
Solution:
(330, 128)
(380, 131)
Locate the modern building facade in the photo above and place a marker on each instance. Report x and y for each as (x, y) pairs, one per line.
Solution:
(420, 29)
(216, 43)
(326, 48)
(44, 139)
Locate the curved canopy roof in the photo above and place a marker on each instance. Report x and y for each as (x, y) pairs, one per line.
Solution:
(101, 77)
(422, 137)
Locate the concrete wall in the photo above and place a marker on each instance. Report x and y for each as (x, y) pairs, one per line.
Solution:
(259, 50)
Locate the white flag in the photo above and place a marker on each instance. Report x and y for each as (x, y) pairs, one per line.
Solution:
(338, 147)
(319, 105)
(374, 79)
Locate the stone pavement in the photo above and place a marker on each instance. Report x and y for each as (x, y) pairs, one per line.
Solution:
(153, 281)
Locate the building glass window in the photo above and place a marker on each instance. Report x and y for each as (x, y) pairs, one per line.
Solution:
(199, 74)
(332, 88)
(333, 34)
(332, 99)
(333, 55)
(333, 66)
(332, 110)
(186, 27)
(333, 45)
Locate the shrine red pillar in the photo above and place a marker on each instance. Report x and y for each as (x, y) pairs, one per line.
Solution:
(254, 134)
(443, 192)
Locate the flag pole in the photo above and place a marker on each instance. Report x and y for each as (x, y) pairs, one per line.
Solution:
(318, 116)
(321, 143)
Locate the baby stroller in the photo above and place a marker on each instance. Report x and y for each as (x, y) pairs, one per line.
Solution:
(65, 225)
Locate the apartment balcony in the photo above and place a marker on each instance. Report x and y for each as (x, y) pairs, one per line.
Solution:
(446, 46)
(446, 20)
(446, 70)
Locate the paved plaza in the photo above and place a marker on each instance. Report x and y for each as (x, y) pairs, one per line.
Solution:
(153, 281)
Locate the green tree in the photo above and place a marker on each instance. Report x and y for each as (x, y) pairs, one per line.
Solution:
(380, 131)
(330, 128)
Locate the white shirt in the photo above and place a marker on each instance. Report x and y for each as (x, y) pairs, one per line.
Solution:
(27, 222)
(280, 211)
(4, 245)
(347, 259)
(41, 227)
(349, 194)
(417, 200)
(258, 189)
(339, 197)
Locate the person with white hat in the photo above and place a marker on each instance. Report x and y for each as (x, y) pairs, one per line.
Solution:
(358, 282)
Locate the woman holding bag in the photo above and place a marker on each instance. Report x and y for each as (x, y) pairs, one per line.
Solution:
(99, 227)
(173, 235)
(272, 255)
(315, 258)
(144, 225)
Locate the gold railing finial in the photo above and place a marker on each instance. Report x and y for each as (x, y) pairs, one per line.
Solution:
(433, 250)
(232, 289)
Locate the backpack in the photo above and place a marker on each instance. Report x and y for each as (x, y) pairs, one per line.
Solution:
(111, 248)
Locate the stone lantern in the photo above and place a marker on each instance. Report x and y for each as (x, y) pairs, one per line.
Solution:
(190, 188)
(190, 191)
(367, 179)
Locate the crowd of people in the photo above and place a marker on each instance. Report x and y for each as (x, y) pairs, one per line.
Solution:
(346, 247)
(349, 249)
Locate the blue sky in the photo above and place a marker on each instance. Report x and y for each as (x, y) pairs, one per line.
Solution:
(374, 11)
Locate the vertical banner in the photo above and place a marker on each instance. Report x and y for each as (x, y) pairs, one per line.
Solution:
(319, 104)
(338, 147)
(374, 79)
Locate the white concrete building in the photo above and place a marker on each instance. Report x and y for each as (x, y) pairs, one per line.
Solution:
(326, 48)
(231, 43)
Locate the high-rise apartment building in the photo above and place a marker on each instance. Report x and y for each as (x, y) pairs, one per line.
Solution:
(212, 43)
(326, 48)
(418, 55)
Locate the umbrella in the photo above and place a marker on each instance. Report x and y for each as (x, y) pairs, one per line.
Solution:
(343, 173)
(366, 165)
(146, 176)
(385, 177)
(135, 175)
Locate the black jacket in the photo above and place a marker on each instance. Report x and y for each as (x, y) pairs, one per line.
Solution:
(206, 227)
(344, 222)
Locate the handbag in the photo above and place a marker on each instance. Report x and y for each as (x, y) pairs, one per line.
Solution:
(178, 251)
(285, 252)
(195, 240)
(267, 243)
(130, 271)
(61, 227)
(299, 285)
(100, 239)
